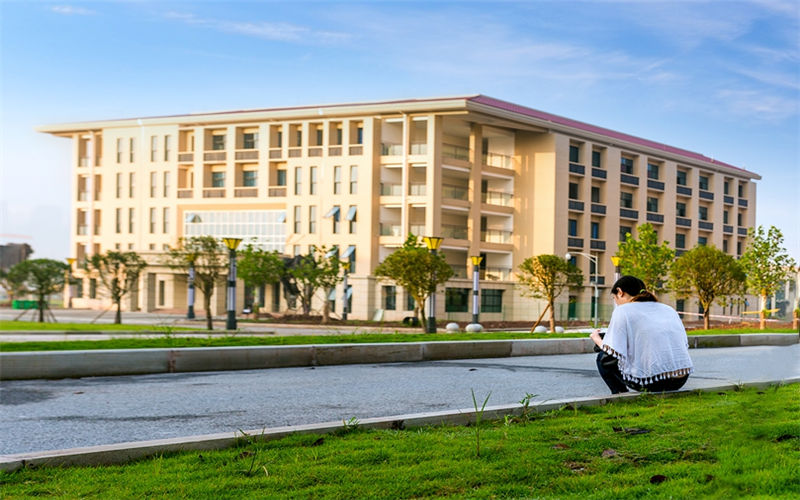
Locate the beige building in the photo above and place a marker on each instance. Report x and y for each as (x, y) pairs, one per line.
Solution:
(492, 178)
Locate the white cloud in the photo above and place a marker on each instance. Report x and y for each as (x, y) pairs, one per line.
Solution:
(758, 105)
(70, 10)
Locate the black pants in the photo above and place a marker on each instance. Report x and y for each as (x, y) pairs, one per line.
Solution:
(609, 371)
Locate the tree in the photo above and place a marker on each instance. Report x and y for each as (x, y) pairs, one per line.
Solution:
(209, 263)
(118, 272)
(708, 273)
(258, 268)
(12, 283)
(41, 277)
(319, 269)
(546, 276)
(766, 263)
(645, 258)
(417, 270)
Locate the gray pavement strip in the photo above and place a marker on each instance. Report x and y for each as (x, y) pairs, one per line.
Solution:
(126, 452)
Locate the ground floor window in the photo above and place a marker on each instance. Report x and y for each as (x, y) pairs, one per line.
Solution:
(456, 299)
(389, 297)
(491, 301)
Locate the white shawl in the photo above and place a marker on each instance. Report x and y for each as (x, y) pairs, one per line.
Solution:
(649, 340)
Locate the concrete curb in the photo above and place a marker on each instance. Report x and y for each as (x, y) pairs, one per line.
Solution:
(125, 452)
(110, 362)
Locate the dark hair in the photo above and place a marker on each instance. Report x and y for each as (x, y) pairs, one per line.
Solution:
(634, 287)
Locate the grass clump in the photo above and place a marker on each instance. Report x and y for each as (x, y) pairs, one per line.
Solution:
(719, 445)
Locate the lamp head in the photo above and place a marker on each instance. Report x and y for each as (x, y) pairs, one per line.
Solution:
(232, 243)
(476, 260)
(568, 256)
(615, 260)
(432, 242)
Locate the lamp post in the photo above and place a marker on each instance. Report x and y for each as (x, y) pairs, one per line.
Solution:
(593, 260)
(616, 260)
(346, 266)
(190, 259)
(231, 243)
(476, 263)
(432, 242)
(70, 262)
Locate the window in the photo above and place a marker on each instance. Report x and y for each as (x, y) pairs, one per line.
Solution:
(741, 190)
(595, 230)
(336, 216)
(353, 179)
(626, 200)
(131, 149)
(281, 177)
(312, 219)
(726, 187)
(738, 248)
(456, 299)
(680, 209)
(626, 164)
(119, 185)
(118, 220)
(131, 184)
(725, 246)
(153, 184)
(217, 142)
(360, 134)
(680, 240)
(596, 162)
(217, 179)
(318, 136)
(165, 220)
(298, 180)
(573, 190)
(491, 300)
(624, 231)
(574, 153)
(337, 179)
(652, 204)
(702, 213)
(250, 140)
(165, 187)
(351, 219)
(595, 194)
(389, 297)
(680, 305)
(130, 220)
(681, 178)
(152, 220)
(410, 302)
(161, 292)
(312, 177)
(350, 255)
(703, 182)
(119, 150)
(299, 137)
(725, 217)
(652, 171)
(92, 288)
(249, 178)
(297, 220)
(153, 147)
(739, 219)
(167, 147)
(702, 241)
(573, 227)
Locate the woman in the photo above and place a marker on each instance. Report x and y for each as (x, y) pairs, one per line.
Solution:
(645, 347)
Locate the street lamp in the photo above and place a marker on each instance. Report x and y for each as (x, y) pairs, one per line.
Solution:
(70, 262)
(432, 242)
(190, 258)
(346, 267)
(616, 260)
(476, 263)
(231, 243)
(593, 260)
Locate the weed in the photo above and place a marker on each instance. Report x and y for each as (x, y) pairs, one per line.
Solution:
(478, 419)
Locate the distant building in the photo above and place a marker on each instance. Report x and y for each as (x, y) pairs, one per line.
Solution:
(13, 253)
(492, 178)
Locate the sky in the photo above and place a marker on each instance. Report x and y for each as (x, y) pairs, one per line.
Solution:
(721, 78)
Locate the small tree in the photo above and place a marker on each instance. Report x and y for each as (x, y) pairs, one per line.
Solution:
(709, 274)
(545, 277)
(209, 262)
(258, 268)
(417, 270)
(41, 277)
(314, 271)
(645, 258)
(766, 263)
(118, 272)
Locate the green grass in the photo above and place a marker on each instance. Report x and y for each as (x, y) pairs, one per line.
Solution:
(695, 445)
(33, 326)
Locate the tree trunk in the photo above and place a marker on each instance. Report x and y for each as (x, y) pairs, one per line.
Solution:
(207, 305)
(762, 316)
(706, 318)
(794, 320)
(41, 309)
(539, 319)
(418, 314)
(118, 315)
(552, 317)
(326, 307)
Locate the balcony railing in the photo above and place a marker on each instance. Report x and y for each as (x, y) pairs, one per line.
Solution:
(653, 217)
(417, 189)
(628, 214)
(275, 153)
(459, 271)
(629, 179)
(246, 154)
(455, 192)
(455, 232)
(214, 193)
(388, 149)
(598, 209)
(391, 189)
(498, 198)
(575, 242)
(417, 229)
(356, 150)
(83, 229)
(455, 152)
(185, 193)
(83, 195)
(335, 151)
(742, 231)
(419, 148)
(576, 205)
(683, 190)
(496, 273)
(742, 202)
(214, 156)
(315, 151)
(185, 157)
(727, 229)
(245, 192)
(498, 160)
(599, 173)
(496, 236)
(682, 221)
(706, 226)
(658, 185)
(728, 200)
(389, 229)
(706, 195)
(574, 168)
(295, 152)
(597, 244)
(276, 191)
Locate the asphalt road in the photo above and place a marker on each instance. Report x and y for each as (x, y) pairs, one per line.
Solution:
(38, 415)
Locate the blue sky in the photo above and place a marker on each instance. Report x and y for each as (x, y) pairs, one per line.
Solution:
(721, 78)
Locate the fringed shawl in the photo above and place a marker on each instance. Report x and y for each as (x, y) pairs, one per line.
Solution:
(649, 340)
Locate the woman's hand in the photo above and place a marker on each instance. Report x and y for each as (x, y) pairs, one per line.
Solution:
(595, 336)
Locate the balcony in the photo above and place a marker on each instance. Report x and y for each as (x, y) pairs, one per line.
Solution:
(598, 209)
(657, 185)
(418, 229)
(498, 198)
(576, 206)
(497, 160)
(682, 221)
(574, 168)
(245, 192)
(597, 244)
(727, 229)
(629, 179)
(417, 189)
(185, 193)
(742, 231)
(628, 214)
(496, 273)
(742, 202)
(706, 226)
(455, 152)
(185, 157)
(683, 190)
(599, 173)
(275, 153)
(419, 148)
(651, 217)
(356, 150)
(335, 151)
(391, 189)
(314, 151)
(97, 230)
(214, 156)
(83, 195)
(246, 154)
(496, 236)
(214, 193)
(455, 192)
(276, 191)
(83, 229)
(728, 200)
(295, 152)
(706, 195)
(459, 271)
(83, 161)
(454, 232)
(389, 229)
(388, 149)
(575, 242)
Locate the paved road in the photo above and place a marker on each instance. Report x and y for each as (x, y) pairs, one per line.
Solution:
(38, 415)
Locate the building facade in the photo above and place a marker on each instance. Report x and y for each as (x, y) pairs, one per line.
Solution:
(492, 178)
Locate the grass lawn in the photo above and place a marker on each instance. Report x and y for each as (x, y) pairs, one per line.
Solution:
(242, 339)
(24, 326)
(696, 445)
